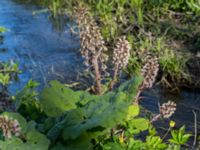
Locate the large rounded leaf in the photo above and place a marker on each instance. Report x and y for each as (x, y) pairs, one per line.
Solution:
(58, 99)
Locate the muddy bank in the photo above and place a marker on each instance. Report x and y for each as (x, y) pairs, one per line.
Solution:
(193, 65)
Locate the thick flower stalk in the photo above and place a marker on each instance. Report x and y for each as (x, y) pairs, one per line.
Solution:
(120, 57)
(92, 44)
(9, 126)
(166, 111)
(149, 73)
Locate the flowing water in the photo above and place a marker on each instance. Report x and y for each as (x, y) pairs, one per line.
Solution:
(188, 103)
(45, 54)
(42, 52)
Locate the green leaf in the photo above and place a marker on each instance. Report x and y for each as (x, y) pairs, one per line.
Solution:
(59, 146)
(113, 146)
(155, 142)
(130, 87)
(2, 29)
(185, 138)
(95, 115)
(72, 118)
(152, 130)
(90, 116)
(57, 99)
(83, 142)
(37, 140)
(173, 141)
(174, 136)
(33, 139)
(12, 144)
(27, 103)
(181, 133)
(135, 144)
(140, 124)
(4, 79)
(179, 137)
(133, 111)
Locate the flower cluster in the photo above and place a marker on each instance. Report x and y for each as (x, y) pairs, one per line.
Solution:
(92, 42)
(121, 54)
(9, 126)
(92, 45)
(167, 109)
(149, 72)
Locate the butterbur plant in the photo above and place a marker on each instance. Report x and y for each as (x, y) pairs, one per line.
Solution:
(166, 111)
(93, 49)
(92, 44)
(9, 126)
(149, 73)
(120, 57)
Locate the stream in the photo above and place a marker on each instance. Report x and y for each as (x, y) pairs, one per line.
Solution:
(45, 54)
(42, 52)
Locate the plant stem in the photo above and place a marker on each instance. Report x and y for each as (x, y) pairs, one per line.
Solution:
(169, 129)
(137, 97)
(97, 75)
(156, 118)
(114, 80)
(6, 71)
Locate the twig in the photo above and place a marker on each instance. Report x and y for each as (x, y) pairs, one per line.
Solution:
(195, 128)
(176, 13)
